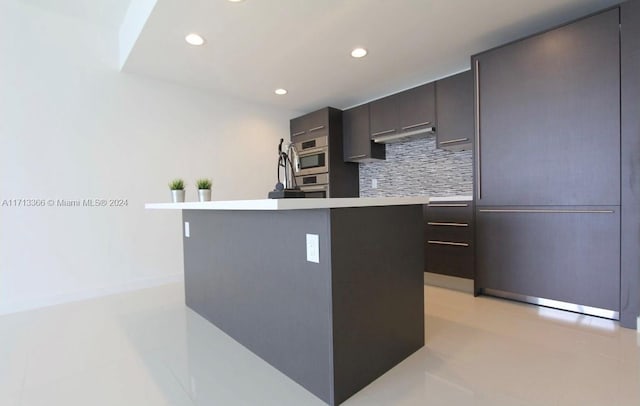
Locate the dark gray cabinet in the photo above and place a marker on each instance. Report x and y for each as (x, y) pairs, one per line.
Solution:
(630, 156)
(417, 107)
(340, 178)
(384, 115)
(357, 143)
(454, 109)
(570, 254)
(407, 111)
(549, 115)
(315, 124)
(449, 238)
(547, 165)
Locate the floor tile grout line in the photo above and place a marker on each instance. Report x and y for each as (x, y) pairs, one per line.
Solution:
(179, 383)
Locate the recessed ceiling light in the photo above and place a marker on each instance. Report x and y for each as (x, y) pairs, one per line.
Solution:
(236, 1)
(359, 52)
(194, 39)
(281, 92)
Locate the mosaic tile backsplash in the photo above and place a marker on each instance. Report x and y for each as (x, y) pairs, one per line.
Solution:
(415, 167)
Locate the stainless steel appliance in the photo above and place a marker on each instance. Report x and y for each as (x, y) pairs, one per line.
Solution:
(313, 156)
(314, 186)
(319, 168)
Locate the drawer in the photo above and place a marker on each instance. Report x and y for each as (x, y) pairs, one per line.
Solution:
(449, 238)
(449, 260)
(448, 233)
(449, 221)
(564, 253)
(452, 212)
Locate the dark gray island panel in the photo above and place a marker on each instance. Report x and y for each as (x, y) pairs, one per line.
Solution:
(333, 326)
(246, 272)
(378, 292)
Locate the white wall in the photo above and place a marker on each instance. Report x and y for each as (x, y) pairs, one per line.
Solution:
(73, 127)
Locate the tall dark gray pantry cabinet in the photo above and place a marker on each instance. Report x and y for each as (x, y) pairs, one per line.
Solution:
(630, 154)
(547, 165)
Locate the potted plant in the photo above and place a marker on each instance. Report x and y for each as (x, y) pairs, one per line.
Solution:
(204, 189)
(177, 190)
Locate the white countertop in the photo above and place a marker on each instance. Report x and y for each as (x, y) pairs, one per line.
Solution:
(451, 199)
(291, 204)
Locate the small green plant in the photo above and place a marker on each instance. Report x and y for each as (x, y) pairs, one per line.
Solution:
(176, 184)
(204, 184)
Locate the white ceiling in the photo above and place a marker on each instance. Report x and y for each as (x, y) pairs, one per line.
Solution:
(106, 13)
(256, 46)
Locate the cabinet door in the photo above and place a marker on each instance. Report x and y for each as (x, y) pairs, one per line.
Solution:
(454, 106)
(297, 127)
(384, 115)
(416, 108)
(317, 123)
(314, 124)
(550, 117)
(357, 143)
(566, 254)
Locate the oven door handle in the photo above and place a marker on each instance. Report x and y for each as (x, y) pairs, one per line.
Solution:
(320, 188)
(311, 151)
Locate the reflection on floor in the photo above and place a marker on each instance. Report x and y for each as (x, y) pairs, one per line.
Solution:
(146, 348)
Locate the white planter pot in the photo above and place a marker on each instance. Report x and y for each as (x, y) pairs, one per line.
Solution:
(204, 195)
(177, 196)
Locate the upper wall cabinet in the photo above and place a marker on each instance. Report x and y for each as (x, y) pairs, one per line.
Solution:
(407, 111)
(454, 104)
(549, 115)
(314, 124)
(358, 146)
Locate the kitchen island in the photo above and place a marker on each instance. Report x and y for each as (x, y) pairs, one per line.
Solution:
(328, 291)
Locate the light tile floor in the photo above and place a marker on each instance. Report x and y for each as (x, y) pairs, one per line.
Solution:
(146, 348)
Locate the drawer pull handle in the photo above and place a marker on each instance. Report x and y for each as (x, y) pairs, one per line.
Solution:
(448, 205)
(477, 128)
(556, 211)
(298, 133)
(383, 132)
(415, 125)
(316, 128)
(455, 244)
(436, 223)
(311, 151)
(319, 188)
(454, 141)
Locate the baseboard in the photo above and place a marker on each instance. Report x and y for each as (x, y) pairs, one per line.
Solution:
(21, 306)
(448, 282)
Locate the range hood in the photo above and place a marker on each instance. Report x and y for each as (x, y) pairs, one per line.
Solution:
(387, 137)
